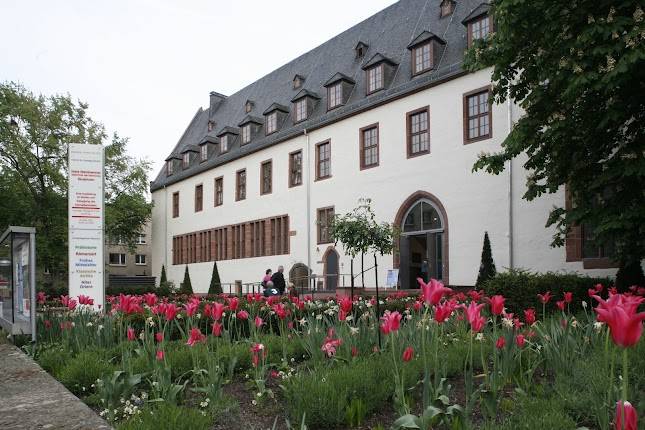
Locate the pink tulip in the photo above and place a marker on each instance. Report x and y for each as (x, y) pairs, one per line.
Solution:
(433, 291)
(391, 322)
(218, 310)
(131, 334)
(280, 310)
(129, 304)
(346, 304)
(191, 307)
(217, 329)
(620, 314)
(443, 311)
(159, 337)
(160, 355)
(545, 298)
(48, 324)
(408, 354)
(473, 311)
(497, 304)
(195, 337)
(233, 303)
(568, 297)
(243, 315)
(560, 304)
(85, 300)
(501, 343)
(258, 322)
(41, 298)
(529, 316)
(520, 340)
(626, 410)
(475, 295)
(354, 351)
(150, 299)
(478, 324)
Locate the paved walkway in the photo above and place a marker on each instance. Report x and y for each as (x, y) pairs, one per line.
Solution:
(30, 398)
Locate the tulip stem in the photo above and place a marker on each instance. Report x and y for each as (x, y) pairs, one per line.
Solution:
(625, 375)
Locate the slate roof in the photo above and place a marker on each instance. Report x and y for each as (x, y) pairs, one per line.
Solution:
(338, 77)
(387, 33)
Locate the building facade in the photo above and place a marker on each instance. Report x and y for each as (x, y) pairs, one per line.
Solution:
(383, 111)
(122, 262)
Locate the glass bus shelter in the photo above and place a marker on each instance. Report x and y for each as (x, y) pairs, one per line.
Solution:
(18, 281)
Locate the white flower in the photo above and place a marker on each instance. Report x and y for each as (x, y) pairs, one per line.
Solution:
(479, 337)
(507, 322)
(584, 304)
(598, 325)
(100, 327)
(319, 317)
(303, 321)
(354, 330)
(349, 318)
(574, 323)
(254, 402)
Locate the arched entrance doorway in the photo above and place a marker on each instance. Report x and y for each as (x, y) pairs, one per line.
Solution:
(423, 244)
(330, 268)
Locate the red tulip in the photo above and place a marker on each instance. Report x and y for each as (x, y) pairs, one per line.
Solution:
(41, 298)
(560, 304)
(160, 355)
(233, 302)
(631, 417)
(501, 343)
(497, 304)
(599, 288)
(568, 297)
(433, 291)
(345, 304)
(217, 329)
(280, 310)
(129, 304)
(591, 292)
(354, 351)
(417, 306)
(131, 334)
(442, 312)
(191, 307)
(85, 300)
(545, 298)
(473, 311)
(408, 354)
(391, 322)
(48, 324)
(529, 316)
(159, 337)
(478, 324)
(150, 299)
(475, 295)
(619, 312)
(195, 337)
(243, 315)
(520, 340)
(342, 316)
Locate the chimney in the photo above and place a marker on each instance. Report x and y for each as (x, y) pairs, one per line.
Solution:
(216, 100)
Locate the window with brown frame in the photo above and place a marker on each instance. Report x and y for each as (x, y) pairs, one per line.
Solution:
(186, 160)
(219, 191)
(175, 204)
(246, 134)
(375, 79)
(300, 111)
(271, 123)
(240, 185)
(478, 119)
(295, 168)
(199, 197)
(203, 151)
(324, 218)
(335, 95)
(223, 144)
(418, 135)
(266, 177)
(422, 59)
(478, 29)
(369, 146)
(323, 160)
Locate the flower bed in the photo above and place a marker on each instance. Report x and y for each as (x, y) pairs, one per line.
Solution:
(440, 360)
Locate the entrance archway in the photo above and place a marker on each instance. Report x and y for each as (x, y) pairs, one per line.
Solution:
(422, 248)
(298, 276)
(330, 268)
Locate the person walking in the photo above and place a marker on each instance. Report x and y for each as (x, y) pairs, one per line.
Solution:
(278, 280)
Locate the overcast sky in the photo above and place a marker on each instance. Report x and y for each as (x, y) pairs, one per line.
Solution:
(146, 66)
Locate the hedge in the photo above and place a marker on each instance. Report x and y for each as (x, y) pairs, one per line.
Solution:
(521, 287)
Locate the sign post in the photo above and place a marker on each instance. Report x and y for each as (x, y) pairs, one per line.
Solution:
(86, 222)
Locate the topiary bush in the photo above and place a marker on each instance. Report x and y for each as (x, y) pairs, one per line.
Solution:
(186, 286)
(521, 287)
(216, 285)
(487, 266)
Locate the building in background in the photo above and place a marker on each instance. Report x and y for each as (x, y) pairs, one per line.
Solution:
(121, 262)
(384, 110)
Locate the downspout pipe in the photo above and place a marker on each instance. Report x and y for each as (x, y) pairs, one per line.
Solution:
(308, 217)
(511, 263)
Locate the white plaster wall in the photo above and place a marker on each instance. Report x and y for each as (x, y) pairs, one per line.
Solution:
(474, 202)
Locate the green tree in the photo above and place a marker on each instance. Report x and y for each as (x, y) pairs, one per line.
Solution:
(34, 135)
(216, 285)
(487, 267)
(163, 280)
(186, 286)
(577, 69)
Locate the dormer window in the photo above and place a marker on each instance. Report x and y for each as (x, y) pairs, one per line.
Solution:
(227, 138)
(421, 55)
(246, 134)
(300, 110)
(425, 50)
(447, 7)
(298, 80)
(203, 152)
(210, 125)
(479, 23)
(186, 160)
(271, 122)
(375, 79)
(223, 144)
(335, 95)
(169, 167)
(248, 106)
(361, 49)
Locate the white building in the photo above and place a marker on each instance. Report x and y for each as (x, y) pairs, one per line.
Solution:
(382, 111)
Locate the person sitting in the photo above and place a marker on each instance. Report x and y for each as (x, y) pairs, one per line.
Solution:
(269, 290)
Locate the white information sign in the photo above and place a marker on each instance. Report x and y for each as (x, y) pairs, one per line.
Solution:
(85, 212)
(392, 278)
